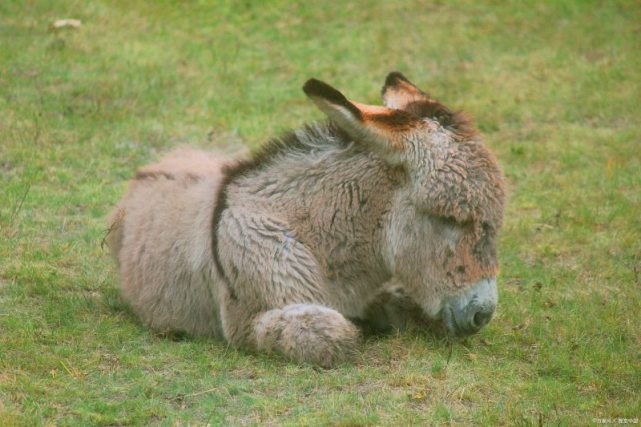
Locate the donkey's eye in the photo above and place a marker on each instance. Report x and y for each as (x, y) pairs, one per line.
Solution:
(448, 220)
(451, 222)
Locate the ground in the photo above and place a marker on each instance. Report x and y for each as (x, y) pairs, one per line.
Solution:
(554, 86)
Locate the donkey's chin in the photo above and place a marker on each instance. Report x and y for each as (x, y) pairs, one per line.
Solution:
(468, 313)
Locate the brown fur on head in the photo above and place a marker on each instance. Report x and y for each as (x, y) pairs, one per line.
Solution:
(399, 93)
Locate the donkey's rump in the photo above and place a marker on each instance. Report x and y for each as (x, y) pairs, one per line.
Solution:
(160, 234)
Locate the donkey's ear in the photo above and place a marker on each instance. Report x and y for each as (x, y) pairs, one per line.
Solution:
(382, 129)
(398, 92)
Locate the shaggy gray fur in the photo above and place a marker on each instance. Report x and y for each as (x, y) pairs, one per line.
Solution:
(380, 207)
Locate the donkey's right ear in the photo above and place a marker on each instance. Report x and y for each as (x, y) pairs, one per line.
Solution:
(398, 92)
(381, 129)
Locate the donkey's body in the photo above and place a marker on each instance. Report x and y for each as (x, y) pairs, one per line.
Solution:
(277, 252)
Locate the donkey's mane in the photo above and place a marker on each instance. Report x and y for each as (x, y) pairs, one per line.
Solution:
(304, 140)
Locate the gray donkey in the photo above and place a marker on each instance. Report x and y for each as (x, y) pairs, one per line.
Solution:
(379, 217)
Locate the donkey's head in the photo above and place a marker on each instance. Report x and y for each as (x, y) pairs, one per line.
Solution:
(441, 238)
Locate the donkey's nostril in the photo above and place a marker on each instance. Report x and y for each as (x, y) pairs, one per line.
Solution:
(481, 318)
(467, 314)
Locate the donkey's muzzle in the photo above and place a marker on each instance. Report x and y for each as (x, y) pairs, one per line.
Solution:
(466, 314)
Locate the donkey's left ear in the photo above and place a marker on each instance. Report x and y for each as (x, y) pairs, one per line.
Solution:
(398, 92)
(381, 129)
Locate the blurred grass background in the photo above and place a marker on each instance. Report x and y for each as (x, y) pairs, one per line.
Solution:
(554, 86)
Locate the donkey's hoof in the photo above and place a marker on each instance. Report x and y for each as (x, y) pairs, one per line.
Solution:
(309, 334)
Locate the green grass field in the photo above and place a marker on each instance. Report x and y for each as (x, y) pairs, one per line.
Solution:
(555, 87)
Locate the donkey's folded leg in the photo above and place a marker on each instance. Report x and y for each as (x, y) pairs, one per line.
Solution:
(304, 333)
(275, 298)
(307, 333)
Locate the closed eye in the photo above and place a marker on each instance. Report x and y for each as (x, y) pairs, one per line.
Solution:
(450, 221)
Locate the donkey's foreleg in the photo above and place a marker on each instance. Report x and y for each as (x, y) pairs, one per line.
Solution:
(275, 297)
(307, 333)
(304, 333)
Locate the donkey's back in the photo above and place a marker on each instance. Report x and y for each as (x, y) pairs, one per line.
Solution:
(157, 235)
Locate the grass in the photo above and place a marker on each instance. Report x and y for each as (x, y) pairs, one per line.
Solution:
(554, 86)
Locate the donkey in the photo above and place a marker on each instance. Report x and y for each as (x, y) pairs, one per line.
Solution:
(378, 215)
